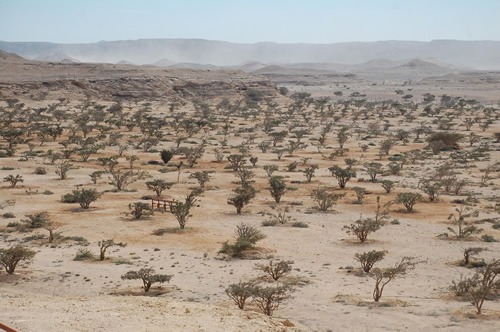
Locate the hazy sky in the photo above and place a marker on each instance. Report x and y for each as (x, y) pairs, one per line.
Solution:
(248, 21)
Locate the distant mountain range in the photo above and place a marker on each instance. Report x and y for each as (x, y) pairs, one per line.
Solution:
(207, 54)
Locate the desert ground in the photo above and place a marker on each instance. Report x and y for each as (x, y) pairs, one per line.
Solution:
(116, 120)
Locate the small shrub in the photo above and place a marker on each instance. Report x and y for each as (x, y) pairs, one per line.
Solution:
(140, 209)
(383, 276)
(36, 220)
(468, 252)
(277, 187)
(83, 254)
(243, 195)
(10, 257)
(105, 245)
(488, 238)
(85, 197)
(68, 198)
(8, 215)
(269, 298)
(246, 238)
(300, 224)
(461, 287)
(360, 194)
(483, 284)
(275, 269)
(465, 229)
(166, 156)
(325, 198)
(240, 292)
(368, 259)
(270, 169)
(148, 277)
(181, 210)
(388, 185)
(13, 180)
(40, 171)
(343, 175)
(363, 227)
(269, 223)
(408, 199)
(280, 218)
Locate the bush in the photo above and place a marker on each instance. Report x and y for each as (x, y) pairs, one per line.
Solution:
(483, 284)
(270, 169)
(243, 195)
(84, 254)
(279, 218)
(148, 277)
(383, 276)
(408, 199)
(240, 292)
(269, 223)
(468, 252)
(360, 194)
(166, 156)
(9, 258)
(277, 187)
(68, 198)
(343, 175)
(202, 178)
(325, 198)
(465, 229)
(105, 245)
(246, 238)
(40, 171)
(158, 186)
(8, 215)
(461, 287)
(181, 210)
(275, 269)
(300, 224)
(13, 180)
(388, 185)
(488, 238)
(446, 141)
(36, 220)
(368, 259)
(84, 197)
(269, 298)
(373, 169)
(363, 227)
(140, 209)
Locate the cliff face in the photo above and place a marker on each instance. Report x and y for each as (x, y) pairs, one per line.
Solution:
(21, 77)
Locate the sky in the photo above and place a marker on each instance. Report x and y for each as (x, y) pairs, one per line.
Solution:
(249, 21)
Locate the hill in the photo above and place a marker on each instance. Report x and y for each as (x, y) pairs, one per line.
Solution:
(474, 54)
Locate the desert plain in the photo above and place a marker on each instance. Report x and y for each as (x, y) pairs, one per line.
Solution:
(102, 114)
